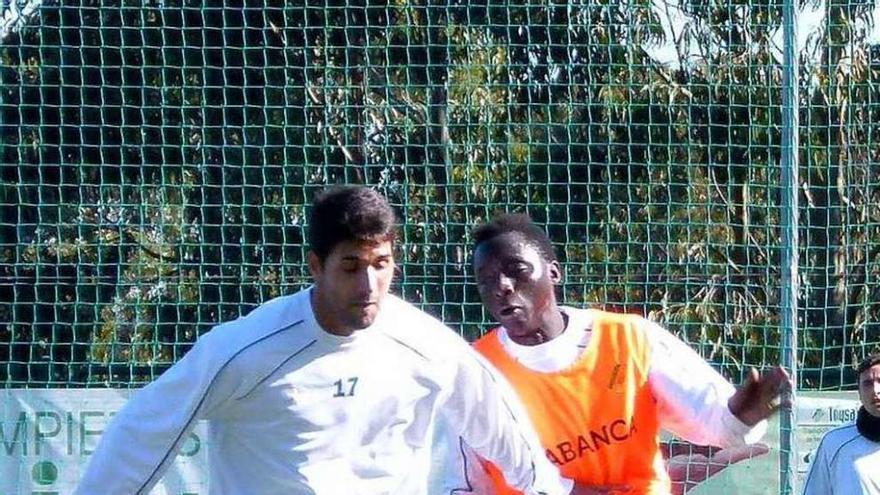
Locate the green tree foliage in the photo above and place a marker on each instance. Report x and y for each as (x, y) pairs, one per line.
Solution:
(162, 153)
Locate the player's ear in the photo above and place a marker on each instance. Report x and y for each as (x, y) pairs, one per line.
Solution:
(555, 272)
(316, 266)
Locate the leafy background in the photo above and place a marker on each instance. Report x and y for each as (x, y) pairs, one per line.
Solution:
(159, 156)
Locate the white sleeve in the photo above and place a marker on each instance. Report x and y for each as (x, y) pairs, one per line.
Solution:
(692, 397)
(492, 421)
(143, 438)
(818, 481)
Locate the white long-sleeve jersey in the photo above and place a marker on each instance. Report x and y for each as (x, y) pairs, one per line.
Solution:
(292, 409)
(846, 463)
(692, 397)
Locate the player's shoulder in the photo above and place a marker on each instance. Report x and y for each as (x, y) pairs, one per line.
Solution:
(601, 315)
(415, 328)
(399, 313)
(268, 319)
(612, 322)
(839, 436)
(626, 335)
(837, 441)
(488, 340)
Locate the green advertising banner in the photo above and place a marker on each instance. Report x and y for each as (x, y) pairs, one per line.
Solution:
(817, 412)
(47, 436)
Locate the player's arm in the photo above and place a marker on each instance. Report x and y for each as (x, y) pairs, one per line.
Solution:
(818, 480)
(693, 398)
(143, 438)
(492, 421)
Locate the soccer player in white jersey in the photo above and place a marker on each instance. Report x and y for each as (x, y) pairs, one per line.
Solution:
(848, 459)
(332, 390)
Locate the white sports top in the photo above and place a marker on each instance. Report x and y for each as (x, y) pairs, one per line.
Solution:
(846, 463)
(292, 409)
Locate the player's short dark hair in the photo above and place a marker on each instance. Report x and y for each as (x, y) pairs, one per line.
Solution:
(519, 223)
(872, 359)
(349, 213)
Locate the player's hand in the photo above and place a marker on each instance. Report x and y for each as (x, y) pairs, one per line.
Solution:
(599, 490)
(761, 395)
(688, 470)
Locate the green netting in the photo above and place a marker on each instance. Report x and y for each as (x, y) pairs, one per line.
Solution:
(157, 156)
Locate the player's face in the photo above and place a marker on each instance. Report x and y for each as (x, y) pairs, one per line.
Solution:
(516, 283)
(869, 389)
(351, 284)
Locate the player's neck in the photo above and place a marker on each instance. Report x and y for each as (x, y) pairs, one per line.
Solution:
(552, 325)
(325, 318)
(868, 425)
